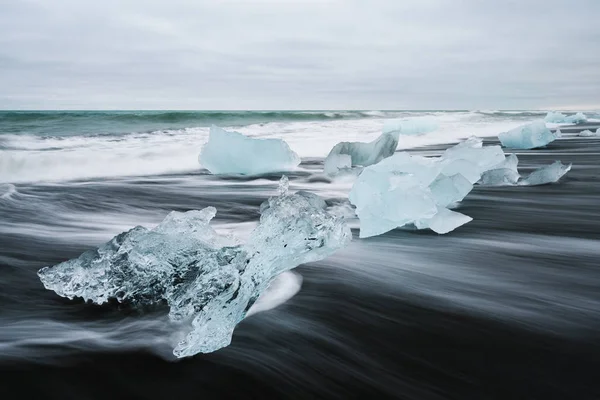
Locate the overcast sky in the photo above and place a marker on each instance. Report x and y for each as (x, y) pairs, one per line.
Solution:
(299, 54)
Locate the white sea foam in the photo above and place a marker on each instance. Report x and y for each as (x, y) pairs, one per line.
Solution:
(26, 158)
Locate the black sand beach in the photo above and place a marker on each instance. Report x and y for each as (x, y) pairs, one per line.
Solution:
(505, 307)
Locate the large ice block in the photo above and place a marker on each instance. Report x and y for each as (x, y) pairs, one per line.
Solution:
(405, 189)
(547, 174)
(208, 281)
(231, 153)
(360, 153)
(530, 136)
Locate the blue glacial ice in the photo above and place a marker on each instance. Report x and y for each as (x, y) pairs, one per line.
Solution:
(530, 136)
(405, 190)
(410, 126)
(547, 174)
(408, 190)
(560, 118)
(208, 281)
(351, 154)
(231, 153)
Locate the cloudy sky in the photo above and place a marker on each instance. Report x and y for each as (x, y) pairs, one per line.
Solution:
(299, 54)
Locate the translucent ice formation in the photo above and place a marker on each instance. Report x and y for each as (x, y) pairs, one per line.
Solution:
(365, 154)
(406, 189)
(231, 153)
(360, 153)
(560, 118)
(530, 136)
(547, 174)
(410, 126)
(207, 280)
(503, 174)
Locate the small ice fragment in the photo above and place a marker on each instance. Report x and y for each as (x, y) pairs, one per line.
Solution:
(547, 174)
(335, 162)
(588, 133)
(231, 153)
(284, 185)
(208, 281)
(410, 126)
(530, 136)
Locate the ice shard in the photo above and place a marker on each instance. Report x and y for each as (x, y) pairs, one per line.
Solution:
(231, 153)
(547, 174)
(530, 136)
(560, 118)
(360, 153)
(208, 281)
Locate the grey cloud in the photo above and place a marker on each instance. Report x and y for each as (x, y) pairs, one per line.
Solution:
(416, 54)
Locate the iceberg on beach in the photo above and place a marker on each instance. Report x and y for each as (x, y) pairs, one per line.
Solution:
(365, 154)
(410, 126)
(588, 133)
(560, 118)
(530, 136)
(547, 174)
(350, 154)
(231, 153)
(405, 189)
(208, 281)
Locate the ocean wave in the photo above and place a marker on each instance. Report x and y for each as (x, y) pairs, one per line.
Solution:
(208, 117)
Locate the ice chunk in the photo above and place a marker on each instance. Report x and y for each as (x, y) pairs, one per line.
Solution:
(529, 136)
(588, 133)
(208, 281)
(560, 118)
(335, 162)
(547, 174)
(360, 153)
(232, 153)
(402, 190)
(503, 174)
(410, 126)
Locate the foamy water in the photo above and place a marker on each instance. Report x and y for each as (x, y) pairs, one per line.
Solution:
(56, 157)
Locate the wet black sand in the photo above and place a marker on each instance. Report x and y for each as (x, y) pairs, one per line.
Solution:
(505, 307)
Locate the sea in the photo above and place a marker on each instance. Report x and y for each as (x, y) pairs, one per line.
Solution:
(505, 307)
